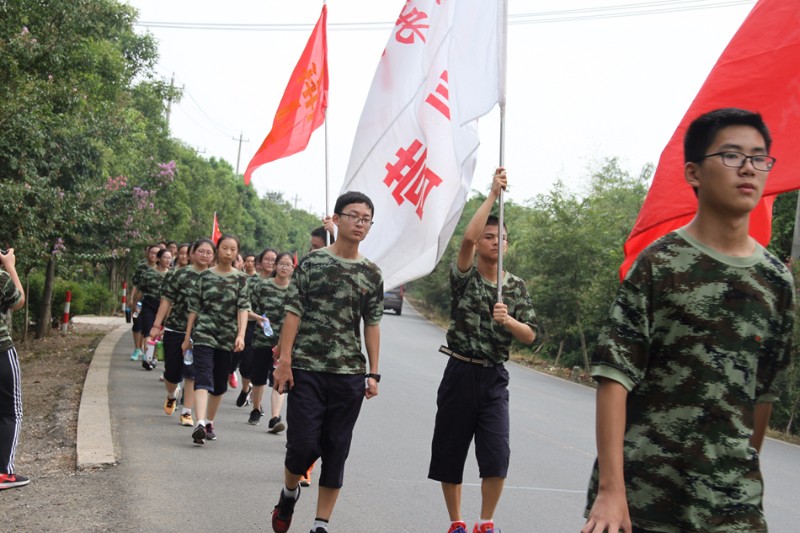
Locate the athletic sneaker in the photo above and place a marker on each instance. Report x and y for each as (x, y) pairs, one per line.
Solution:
(147, 365)
(233, 381)
(9, 481)
(136, 354)
(169, 405)
(210, 435)
(458, 527)
(282, 513)
(255, 417)
(488, 527)
(276, 425)
(186, 419)
(199, 434)
(242, 398)
(319, 530)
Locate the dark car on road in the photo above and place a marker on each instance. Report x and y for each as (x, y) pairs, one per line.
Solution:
(393, 299)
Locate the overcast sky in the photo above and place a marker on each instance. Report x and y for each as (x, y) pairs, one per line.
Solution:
(587, 79)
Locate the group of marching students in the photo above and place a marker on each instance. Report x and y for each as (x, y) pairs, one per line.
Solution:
(208, 310)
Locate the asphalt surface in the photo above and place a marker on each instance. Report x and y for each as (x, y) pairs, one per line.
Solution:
(233, 483)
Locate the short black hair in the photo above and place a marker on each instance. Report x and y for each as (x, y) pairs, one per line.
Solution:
(319, 232)
(352, 197)
(703, 130)
(493, 220)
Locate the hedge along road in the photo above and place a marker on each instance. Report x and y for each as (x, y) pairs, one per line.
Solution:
(233, 483)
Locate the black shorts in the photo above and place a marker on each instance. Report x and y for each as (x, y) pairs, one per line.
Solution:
(147, 316)
(136, 323)
(472, 402)
(174, 369)
(262, 366)
(212, 366)
(244, 360)
(321, 414)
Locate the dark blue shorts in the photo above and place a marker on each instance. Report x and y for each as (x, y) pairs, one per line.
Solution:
(212, 366)
(472, 402)
(321, 414)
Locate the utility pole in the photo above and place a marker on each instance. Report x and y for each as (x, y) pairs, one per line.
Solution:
(296, 198)
(169, 98)
(239, 154)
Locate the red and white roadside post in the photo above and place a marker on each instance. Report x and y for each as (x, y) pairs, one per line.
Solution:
(124, 296)
(65, 320)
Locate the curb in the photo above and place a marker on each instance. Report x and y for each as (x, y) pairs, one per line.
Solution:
(95, 445)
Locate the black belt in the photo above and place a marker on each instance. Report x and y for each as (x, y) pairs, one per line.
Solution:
(476, 360)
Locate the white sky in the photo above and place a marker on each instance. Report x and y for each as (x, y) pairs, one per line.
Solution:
(578, 90)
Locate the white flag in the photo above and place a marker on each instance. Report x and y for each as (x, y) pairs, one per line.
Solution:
(414, 150)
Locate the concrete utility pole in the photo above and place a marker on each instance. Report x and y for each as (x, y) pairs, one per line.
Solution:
(296, 198)
(239, 154)
(169, 98)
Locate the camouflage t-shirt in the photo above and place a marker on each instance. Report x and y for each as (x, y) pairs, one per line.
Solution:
(141, 267)
(473, 332)
(697, 338)
(9, 297)
(331, 295)
(150, 281)
(268, 298)
(178, 286)
(217, 300)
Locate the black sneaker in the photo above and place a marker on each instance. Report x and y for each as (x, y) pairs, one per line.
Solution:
(242, 398)
(255, 417)
(319, 530)
(9, 481)
(199, 434)
(210, 435)
(147, 365)
(276, 425)
(282, 513)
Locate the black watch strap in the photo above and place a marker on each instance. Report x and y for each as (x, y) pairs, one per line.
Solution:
(376, 377)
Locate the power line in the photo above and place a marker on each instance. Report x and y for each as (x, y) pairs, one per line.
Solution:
(656, 7)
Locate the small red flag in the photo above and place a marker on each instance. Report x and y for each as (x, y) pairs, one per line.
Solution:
(295, 259)
(215, 232)
(302, 108)
(754, 73)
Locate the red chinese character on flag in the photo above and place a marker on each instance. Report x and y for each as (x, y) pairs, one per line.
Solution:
(439, 97)
(411, 26)
(311, 87)
(418, 180)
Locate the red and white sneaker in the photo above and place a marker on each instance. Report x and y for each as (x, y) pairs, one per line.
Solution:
(458, 527)
(9, 481)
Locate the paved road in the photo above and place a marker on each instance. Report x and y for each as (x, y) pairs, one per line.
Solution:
(232, 484)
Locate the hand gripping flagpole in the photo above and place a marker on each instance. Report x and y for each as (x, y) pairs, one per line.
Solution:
(501, 100)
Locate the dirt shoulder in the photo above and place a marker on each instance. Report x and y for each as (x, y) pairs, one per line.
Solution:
(59, 498)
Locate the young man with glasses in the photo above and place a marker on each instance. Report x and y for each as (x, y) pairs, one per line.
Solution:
(320, 361)
(472, 399)
(697, 337)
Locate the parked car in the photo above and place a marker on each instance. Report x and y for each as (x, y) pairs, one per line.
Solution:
(393, 299)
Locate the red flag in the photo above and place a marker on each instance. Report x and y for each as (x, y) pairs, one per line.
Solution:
(215, 232)
(302, 108)
(754, 72)
(295, 259)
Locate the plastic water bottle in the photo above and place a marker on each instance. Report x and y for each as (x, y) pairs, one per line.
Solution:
(267, 328)
(150, 352)
(188, 355)
(138, 309)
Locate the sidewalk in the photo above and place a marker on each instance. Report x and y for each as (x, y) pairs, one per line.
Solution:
(95, 446)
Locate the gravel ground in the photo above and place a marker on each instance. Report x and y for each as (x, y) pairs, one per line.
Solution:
(59, 497)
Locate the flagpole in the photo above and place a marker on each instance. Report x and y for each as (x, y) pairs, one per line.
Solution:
(213, 226)
(503, 24)
(325, 112)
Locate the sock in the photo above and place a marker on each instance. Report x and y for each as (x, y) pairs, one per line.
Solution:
(172, 396)
(209, 422)
(291, 493)
(186, 411)
(201, 423)
(320, 523)
(481, 522)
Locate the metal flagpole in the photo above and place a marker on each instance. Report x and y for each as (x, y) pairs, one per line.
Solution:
(327, 179)
(503, 45)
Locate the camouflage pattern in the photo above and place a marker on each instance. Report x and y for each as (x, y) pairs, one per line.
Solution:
(217, 300)
(332, 295)
(473, 332)
(141, 267)
(267, 298)
(178, 286)
(697, 338)
(9, 297)
(150, 281)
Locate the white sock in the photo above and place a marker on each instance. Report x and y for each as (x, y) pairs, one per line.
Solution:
(186, 411)
(291, 493)
(320, 523)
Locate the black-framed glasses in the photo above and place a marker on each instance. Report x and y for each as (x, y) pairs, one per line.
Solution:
(285, 265)
(355, 219)
(760, 162)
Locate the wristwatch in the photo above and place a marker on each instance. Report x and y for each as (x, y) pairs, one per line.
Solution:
(376, 377)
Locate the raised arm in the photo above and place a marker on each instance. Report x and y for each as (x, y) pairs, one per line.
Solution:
(466, 254)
